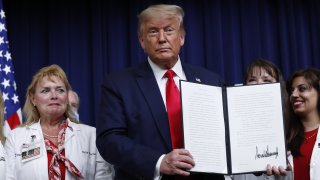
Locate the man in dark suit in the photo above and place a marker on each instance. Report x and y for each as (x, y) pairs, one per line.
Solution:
(133, 128)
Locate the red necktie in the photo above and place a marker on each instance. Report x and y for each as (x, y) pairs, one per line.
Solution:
(174, 110)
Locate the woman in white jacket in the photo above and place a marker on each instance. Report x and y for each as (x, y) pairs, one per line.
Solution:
(303, 88)
(2, 139)
(51, 144)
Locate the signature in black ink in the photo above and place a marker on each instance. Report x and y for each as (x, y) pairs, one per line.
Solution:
(266, 153)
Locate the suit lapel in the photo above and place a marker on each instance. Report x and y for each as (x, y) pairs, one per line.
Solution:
(149, 87)
(190, 74)
(72, 127)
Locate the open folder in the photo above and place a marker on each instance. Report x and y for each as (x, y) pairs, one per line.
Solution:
(233, 130)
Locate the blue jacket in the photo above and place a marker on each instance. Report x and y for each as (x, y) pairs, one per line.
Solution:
(132, 126)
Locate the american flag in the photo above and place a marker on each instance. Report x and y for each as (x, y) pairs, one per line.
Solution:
(8, 86)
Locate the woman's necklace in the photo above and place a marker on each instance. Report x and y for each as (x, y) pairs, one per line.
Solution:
(46, 135)
(307, 138)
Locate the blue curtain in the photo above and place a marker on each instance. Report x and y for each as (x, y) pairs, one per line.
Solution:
(91, 38)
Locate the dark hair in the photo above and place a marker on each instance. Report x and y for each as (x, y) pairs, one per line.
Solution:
(295, 135)
(267, 65)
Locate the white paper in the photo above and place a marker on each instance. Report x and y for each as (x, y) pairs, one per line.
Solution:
(203, 126)
(255, 127)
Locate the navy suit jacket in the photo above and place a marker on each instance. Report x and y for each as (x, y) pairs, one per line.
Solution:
(132, 126)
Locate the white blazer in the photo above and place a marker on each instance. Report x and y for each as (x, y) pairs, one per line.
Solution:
(80, 149)
(3, 160)
(315, 160)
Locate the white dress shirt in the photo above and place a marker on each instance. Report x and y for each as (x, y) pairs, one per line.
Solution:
(161, 80)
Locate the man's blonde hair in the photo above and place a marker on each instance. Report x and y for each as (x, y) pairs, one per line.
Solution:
(160, 10)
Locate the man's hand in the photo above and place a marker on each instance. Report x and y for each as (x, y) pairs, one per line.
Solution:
(177, 162)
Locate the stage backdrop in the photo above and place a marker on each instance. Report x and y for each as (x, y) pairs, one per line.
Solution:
(90, 38)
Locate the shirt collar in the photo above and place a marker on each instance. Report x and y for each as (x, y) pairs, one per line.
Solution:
(159, 72)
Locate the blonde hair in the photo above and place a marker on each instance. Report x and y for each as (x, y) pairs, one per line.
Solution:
(2, 138)
(30, 112)
(163, 11)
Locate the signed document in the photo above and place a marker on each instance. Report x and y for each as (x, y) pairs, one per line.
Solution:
(233, 130)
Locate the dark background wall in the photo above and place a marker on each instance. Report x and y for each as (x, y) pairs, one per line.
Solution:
(90, 38)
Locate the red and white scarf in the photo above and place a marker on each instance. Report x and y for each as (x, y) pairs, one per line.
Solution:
(54, 168)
